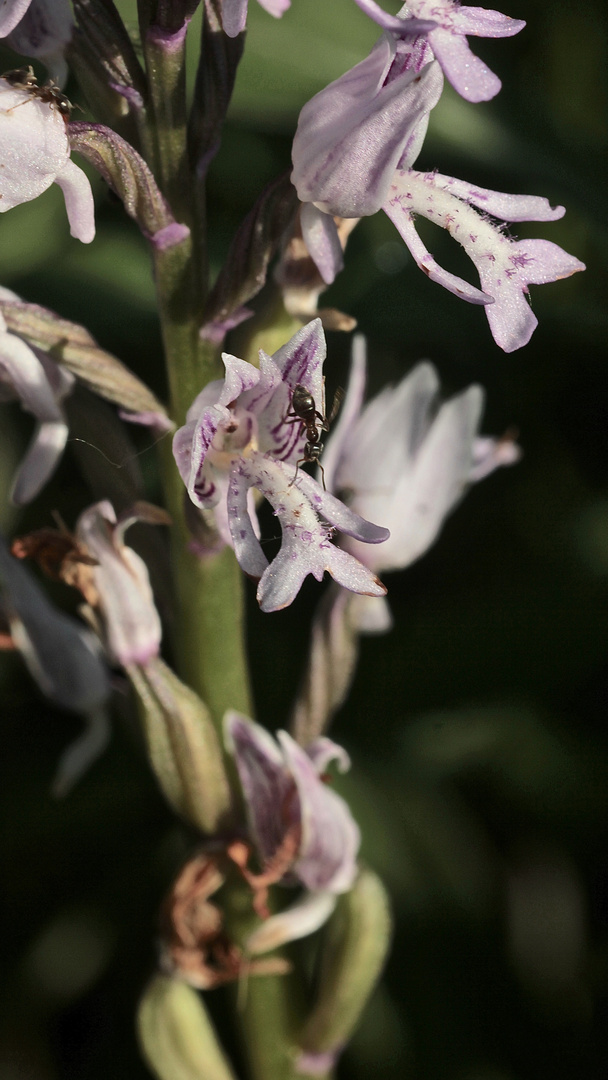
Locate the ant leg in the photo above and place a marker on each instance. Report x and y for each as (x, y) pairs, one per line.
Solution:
(302, 461)
(322, 475)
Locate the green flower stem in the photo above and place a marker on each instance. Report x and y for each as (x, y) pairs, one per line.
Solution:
(166, 68)
(210, 647)
(270, 1007)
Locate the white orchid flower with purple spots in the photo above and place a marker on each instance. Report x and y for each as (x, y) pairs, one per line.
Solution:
(33, 378)
(121, 586)
(284, 796)
(505, 266)
(234, 13)
(453, 22)
(238, 437)
(407, 461)
(35, 153)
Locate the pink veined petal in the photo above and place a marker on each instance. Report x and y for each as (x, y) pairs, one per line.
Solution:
(402, 219)
(267, 786)
(330, 837)
(234, 16)
(544, 261)
(301, 359)
(320, 235)
(79, 203)
(40, 461)
(484, 22)
(299, 920)
(11, 12)
(466, 72)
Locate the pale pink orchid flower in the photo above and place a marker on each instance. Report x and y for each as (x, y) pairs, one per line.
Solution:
(35, 152)
(11, 13)
(285, 795)
(131, 624)
(406, 459)
(238, 437)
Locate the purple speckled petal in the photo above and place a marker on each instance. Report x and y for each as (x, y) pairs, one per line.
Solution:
(467, 73)
(483, 22)
(528, 262)
(320, 234)
(402, 220)
(340, 515)
(503, 206)
(330, 837)
(267, 786)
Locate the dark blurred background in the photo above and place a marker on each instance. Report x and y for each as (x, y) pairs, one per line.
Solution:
(478, 726)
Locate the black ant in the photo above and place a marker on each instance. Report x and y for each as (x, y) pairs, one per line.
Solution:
(53, 95)
(304, 411)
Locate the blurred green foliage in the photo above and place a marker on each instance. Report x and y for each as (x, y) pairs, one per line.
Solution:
(477, 727)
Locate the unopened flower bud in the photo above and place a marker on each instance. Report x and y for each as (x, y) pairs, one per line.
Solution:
(356, 943)
(183, 746)
(176, 1035)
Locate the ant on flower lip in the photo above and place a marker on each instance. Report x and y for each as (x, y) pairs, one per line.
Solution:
(53, 95)
(304, 412)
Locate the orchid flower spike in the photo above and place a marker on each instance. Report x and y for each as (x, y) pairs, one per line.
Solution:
(448, 38)
(119, 587)
(35, 152)
(505, 266)
(407, 461)
(238, 436)
(286, 798)
(234, 13)
(43, 32)
(33, 378)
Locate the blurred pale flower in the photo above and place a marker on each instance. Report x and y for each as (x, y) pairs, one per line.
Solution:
(33, 378)
(234, 13)
(237, 437)
(118, 586)
(35, 153)
(43, 32)
(11, 13)
(407, 460)
(300, 827)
